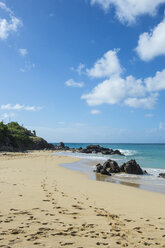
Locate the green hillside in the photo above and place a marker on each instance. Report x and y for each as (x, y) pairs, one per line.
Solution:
(14, 137)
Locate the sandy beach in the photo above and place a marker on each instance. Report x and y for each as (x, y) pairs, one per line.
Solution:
(45, 205)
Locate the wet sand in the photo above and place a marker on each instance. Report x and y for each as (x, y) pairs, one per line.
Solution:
(46, 205)
(145, 182)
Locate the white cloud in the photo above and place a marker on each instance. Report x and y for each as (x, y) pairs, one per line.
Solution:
(23, 52)
(109, 91)
(80, 68)
(72, 83)
(129, 10)
(11, 107)
(146, 102)
(114, 90)
(4, 7)
(106, 66)
(10, 25)
(161, 126)
(105, 4)
(28, 67)
(19, 107)
(149, 115)
(32, 108)
(95, 112)
(79, 124)
(7, 115)
(136, 93)
(129, 91)
(157, 82)
(61, 123)
(151, 44)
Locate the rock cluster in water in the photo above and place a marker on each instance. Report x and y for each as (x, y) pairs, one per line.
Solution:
(111, 166)
(162, 175)
(90, 149)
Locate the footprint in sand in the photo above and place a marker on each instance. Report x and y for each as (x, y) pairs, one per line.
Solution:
(125, 245)
(100, 243)
(36, 243)
(127, 220)
(77, 207)
(68, 243)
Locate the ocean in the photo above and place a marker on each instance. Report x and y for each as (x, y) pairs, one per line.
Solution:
(151, 157)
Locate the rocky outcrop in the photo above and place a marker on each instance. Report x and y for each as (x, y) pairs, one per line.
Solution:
(61, 147)
(131, 167)
(16, 138)
(162, 175)
(100, 149)
(102, 170)
(89, 149)
(39, 144)
(7, 149)
(111, 166)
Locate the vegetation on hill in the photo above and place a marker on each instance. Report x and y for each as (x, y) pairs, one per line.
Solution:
(14, 137)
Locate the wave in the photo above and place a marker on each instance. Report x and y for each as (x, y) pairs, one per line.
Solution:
(154, 171)
(150, 181)
(100, 157)
(91, 156)
(128, 152)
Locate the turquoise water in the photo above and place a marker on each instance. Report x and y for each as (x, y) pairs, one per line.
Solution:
(147, 155)
(150, 157)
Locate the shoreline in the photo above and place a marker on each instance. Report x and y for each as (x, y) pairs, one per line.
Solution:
(146, 182)
(43, 203)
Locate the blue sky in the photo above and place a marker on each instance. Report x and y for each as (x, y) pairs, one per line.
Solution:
(84, 70)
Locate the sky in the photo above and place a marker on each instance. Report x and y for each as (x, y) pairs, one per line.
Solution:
(84, 70)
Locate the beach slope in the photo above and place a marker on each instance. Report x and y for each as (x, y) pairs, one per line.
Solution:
(46, 205)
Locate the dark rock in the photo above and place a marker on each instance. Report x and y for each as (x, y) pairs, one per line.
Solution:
(86, 151)
(99, 149)
(103, 171)
(131, 167)
(107, 152)
(39, 144)
(162, 175)
(145, 172)
(89, 149)
(7, 149)
(62, 145)
(116, 152)
(98, 168)
(107, 168)
(94, 147)
(111, 166)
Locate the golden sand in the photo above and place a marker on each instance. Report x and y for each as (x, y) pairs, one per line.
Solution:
(45, 205)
